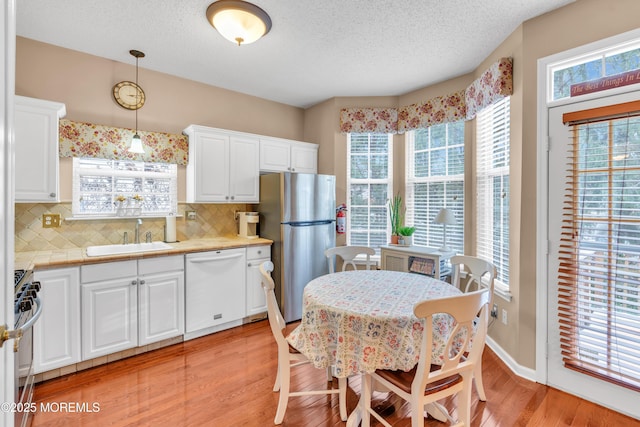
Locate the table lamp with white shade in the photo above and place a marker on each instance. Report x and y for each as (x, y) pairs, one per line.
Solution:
(445, 217)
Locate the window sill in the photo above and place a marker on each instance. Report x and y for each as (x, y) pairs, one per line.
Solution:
(503, 293)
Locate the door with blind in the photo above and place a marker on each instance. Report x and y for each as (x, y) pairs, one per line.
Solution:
(594, 253)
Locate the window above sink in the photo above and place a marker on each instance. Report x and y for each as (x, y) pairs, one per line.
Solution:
(104, 188)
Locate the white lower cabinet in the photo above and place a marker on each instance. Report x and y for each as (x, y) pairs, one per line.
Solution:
(56, 335)
(99, 309)
(215, 290)
(109, 308)
(256, 301)
(127, 304)
(160, 299)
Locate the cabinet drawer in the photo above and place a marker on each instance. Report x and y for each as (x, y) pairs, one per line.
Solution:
(257, 252)
(108, 271)
(160, 264)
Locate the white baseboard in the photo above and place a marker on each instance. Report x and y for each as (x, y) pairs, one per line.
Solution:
(519, 370)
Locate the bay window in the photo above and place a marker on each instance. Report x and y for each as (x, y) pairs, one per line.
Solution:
(492, 184)
(435, 180)
(369, 187)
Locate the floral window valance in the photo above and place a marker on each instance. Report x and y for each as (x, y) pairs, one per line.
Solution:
(369, 120)
(443, 109)
(106, 142)
(494, 84)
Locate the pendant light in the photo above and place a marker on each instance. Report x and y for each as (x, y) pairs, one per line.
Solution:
(238, 21)
(136, 142)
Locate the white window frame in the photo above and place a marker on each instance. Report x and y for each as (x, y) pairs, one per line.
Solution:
(492, 131)
(130, 207)
(597, 53)
(435, 232)
(351, 181)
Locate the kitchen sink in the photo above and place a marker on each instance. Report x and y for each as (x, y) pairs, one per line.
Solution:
(131, 248)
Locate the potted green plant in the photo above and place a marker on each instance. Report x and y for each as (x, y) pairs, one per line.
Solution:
(406, 234)
(396, 216)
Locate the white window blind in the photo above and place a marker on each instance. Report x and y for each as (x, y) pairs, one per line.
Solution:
(599, 273)
(104, 188)
(369, 187)
(435, 180)
(492, 184)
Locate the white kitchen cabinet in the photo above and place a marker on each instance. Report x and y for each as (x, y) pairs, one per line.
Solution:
(109, 308)
(128, 304)
(36, 155)
(283, 155)
(256, 301)
(160, 298)
(223, 166)
(215, 291)
(56, 335)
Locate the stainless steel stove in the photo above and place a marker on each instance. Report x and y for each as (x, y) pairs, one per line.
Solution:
(27, 309)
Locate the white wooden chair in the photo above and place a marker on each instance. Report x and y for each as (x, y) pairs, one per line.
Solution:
(348, 255)
(480, 274)
(288, 356)
(427, 383)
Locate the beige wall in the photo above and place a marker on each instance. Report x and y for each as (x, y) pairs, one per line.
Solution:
(84, 82)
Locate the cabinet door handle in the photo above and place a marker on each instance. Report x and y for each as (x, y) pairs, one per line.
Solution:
(142, 282)
(249, 265)
(52, 195)
(134, 282)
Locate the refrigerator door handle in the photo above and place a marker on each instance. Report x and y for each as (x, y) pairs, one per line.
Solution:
(308, 223)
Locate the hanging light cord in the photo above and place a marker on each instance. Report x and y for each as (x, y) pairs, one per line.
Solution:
(137, 57)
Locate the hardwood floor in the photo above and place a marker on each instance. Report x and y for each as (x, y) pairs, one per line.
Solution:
(226, 380)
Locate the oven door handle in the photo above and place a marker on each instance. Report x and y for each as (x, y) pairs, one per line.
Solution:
(16, 334)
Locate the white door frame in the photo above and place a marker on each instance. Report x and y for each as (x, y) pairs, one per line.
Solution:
(542, 243)
(7, 217)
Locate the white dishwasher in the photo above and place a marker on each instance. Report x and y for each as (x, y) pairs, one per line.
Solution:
(215, 291)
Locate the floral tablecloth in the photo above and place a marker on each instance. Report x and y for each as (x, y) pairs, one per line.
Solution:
(360, 321)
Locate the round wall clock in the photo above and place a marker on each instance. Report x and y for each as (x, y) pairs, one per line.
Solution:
(128, 95)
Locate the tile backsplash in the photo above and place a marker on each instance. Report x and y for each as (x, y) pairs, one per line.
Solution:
(213, 220)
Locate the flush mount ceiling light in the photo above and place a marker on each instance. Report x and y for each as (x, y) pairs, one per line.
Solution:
(136, 142)
(238, 21)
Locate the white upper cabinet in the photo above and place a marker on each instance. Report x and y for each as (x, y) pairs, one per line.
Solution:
(223, 166)
(36, 142)
(304, 157)
(282, 155)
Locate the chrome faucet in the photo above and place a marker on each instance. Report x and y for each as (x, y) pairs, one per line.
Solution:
(138, 224)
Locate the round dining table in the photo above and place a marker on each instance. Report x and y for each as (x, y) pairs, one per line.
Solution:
(360, 321)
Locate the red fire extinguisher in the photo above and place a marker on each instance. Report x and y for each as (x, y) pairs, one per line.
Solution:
(341, 218)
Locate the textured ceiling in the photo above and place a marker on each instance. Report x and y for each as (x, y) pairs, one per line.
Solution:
(316, 49)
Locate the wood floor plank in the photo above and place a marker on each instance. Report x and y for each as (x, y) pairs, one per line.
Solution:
(226, 380)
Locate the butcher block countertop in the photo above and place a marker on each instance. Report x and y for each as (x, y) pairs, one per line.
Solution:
(39, 260)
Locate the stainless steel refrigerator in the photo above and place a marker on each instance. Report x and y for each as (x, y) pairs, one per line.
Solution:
(297, 212)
